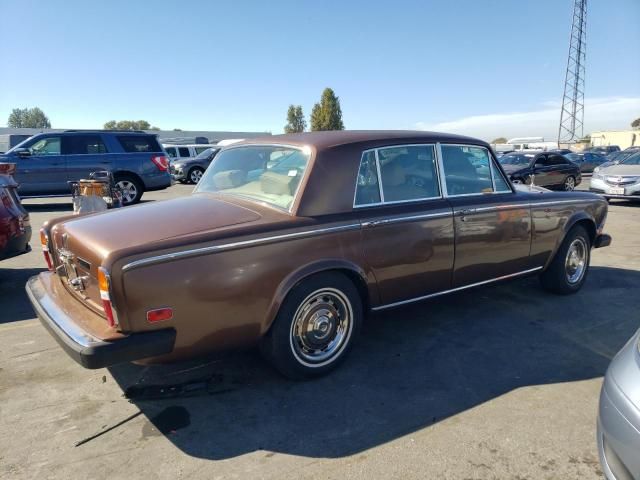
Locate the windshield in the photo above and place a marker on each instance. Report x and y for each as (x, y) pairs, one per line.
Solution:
(516, 159)
(206, 154)
(632, 160)
(268, 174)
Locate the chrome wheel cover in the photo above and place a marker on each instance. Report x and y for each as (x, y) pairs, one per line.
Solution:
(321, 327)
(128, 189)
(195, 175)
(569, 184)
(575, 264)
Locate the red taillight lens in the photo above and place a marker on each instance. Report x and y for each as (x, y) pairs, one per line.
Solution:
(44, 241)
(104, 286)
(159, 315)
(161, 162)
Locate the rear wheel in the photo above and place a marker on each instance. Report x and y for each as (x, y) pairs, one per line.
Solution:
(130, 187)
(315, 327)
(568, 270)
(195, 174)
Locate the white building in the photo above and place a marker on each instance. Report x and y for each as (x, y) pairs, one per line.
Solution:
(621, 138)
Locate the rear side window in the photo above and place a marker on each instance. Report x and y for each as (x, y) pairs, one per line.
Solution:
(83, 145)
(408, 173)
(367, 188)
(171, 151)
(183, 152)
(556, 160)
(139, 143)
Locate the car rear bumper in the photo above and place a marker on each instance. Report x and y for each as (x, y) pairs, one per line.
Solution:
(17, 245)
(83, 347)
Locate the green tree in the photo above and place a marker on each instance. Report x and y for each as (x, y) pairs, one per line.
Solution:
(28, 118)
(128, 125)
(295, 120)
(327, 115)
(499, 140)
(635, 123)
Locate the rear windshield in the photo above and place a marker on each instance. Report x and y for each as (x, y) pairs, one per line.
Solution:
(139, 143)
(269, 174)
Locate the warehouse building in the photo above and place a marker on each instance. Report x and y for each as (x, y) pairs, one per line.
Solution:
(622, 138)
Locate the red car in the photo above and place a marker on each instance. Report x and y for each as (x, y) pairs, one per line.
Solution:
(15, 229)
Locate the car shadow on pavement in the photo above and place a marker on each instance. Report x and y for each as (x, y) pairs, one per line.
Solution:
(412, 367)
(12, 283)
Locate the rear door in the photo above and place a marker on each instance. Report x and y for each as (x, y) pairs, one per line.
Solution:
(559, 168)
(43, 172)
(407, 225)
(85, 154)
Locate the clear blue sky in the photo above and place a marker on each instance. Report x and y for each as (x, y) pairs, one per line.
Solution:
(237, 65)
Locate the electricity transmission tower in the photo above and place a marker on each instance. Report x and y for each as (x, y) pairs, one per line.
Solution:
(572, 113)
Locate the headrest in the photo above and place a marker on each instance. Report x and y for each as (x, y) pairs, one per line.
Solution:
(276, 183)
(228, 179)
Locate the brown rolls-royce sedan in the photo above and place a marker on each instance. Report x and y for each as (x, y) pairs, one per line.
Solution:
(289, 241)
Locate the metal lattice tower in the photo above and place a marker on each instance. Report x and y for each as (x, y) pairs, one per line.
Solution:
(572, 113)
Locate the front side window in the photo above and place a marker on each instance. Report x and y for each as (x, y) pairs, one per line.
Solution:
(46, 146)
(171, 151)
(269, 174)
(467, 170)
(408, 173)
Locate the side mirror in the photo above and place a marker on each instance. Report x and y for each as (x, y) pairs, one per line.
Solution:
(22, 152)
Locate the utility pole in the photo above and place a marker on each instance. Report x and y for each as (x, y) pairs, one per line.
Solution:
(572, 112)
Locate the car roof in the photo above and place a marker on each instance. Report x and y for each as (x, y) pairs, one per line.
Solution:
(329, 139)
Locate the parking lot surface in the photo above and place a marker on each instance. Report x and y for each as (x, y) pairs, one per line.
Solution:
(500, 382)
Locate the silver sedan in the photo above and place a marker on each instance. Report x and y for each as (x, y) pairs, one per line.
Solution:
(619, 415)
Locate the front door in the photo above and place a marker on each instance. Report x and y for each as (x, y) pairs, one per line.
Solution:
(43, 170)
(542, 170)
(492, 228)
(407, 230)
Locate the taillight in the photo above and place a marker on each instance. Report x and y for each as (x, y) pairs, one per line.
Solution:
(44, 241)
(104, 284)
(161, 162)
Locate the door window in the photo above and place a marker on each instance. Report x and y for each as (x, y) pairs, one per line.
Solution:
(171, 151)
(183, 152)
(408, 173)
(84, 145)
(46, 146)
(199, 150)
(367, 187)
(467, 170)
(556, 160)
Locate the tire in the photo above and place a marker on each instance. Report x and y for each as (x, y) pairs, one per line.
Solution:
(194, 175)
(567, 272)
(131, 188)
(333, 303)
(569, 184)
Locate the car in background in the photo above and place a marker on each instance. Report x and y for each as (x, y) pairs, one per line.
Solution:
(603, 149)
(182, 152)
(587, 161)
(47, 162)
(619, 180)
(616, 157)
(544, 169)
(190, 170)
(561, 151)
(15, 228)
(618, 428)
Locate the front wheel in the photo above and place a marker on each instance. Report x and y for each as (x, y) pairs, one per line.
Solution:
(569, 184)
(568, 270)
(315, 327)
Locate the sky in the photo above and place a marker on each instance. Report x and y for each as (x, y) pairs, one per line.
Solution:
(485, 68)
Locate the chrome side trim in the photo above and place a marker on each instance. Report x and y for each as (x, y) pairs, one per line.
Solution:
(412, 218)
(445, 292)
(235, 245)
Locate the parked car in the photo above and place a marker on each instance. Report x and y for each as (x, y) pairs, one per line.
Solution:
(603, 149)
(549, 170)
(190, 170)
(287, 242)
(620, 180)
(587, 161)
(619, 415)
(47, 162)
(616, 157)
(184, 152)
(561, 151)
(15, 228)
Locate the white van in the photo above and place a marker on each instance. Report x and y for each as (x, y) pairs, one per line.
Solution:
(182, 152)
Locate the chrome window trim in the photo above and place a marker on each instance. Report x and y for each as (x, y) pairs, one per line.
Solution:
(411, 218)
(380, 187)
(236, 245)
(304, 178)
(457, 289)
(492, 167)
